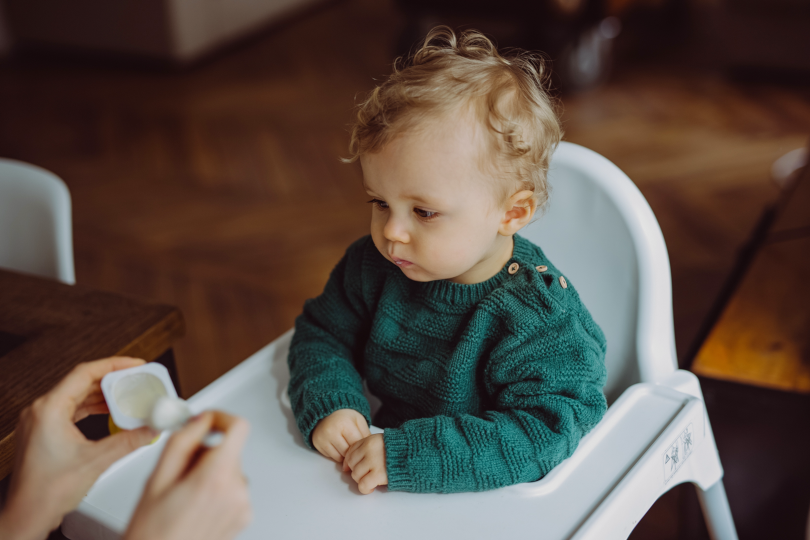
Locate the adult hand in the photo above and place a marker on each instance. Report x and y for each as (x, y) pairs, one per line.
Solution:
(366, 460)
(55, 464)
(333, 435)
(196, 492)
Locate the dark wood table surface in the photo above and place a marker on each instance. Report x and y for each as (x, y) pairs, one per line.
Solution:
(762, 336)
(47, 327)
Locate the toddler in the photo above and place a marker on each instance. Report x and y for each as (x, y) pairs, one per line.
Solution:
(489, 367)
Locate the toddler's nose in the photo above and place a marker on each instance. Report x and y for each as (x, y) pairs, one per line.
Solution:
(396, 231)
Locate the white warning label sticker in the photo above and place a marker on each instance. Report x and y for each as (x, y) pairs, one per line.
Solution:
(678, 452)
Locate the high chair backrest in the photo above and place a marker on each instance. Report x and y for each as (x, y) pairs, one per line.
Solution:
(602, 235)
(35, 224)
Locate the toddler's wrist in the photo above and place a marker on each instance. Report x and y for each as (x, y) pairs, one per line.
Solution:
(396, 462)
(320, 409)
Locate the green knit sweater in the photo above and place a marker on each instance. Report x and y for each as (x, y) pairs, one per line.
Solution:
(482, 385)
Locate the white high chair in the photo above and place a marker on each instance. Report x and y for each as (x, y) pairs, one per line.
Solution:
(601, 233)
(35, 227)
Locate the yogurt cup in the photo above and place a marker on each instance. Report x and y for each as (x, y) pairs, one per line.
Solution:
(131, 393)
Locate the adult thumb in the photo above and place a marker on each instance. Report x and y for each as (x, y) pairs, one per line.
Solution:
(110, 449)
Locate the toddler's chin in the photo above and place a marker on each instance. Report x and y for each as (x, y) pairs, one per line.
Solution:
(417, 273)
(414, 273)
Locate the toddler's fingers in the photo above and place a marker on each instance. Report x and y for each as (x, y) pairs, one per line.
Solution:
(338, 457)
(327, 450)
(367, 484)
(316, 444)
(346, 459)
(352, 435)
(361, 469)
(362, 426)
(353, 456)
(341, 445)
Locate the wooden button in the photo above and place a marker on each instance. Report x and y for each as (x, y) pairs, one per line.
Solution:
(541, 268)
(513, 268)
(563, 282)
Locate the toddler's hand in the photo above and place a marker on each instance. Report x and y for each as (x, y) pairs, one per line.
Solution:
(366, 459)
(337, 432)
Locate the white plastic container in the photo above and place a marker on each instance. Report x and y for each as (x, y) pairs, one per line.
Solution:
(132, 393)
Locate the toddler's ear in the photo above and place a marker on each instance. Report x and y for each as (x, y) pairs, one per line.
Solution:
(520, 209)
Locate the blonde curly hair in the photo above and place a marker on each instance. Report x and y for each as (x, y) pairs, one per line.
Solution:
(508, 93)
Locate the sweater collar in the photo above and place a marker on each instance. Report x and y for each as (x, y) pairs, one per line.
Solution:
(442, 290)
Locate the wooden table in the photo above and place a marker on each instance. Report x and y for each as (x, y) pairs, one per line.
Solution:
(762, 336)
(47, 327)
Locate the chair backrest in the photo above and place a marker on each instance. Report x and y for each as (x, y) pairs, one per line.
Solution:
(600, 232)
(35, 227)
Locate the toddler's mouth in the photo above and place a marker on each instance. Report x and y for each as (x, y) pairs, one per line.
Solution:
(402, 263)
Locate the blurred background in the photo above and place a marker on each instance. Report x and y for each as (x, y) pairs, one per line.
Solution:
(200, 141)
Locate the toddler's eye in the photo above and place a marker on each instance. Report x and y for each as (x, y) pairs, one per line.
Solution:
(379, 203)
(425, 214)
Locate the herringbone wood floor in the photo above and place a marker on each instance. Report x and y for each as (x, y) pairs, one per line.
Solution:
(218, 188)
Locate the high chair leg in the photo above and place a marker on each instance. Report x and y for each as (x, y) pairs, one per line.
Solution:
(716, 511)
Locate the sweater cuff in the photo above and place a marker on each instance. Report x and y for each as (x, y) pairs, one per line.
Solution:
(396, 460)
(319, 409)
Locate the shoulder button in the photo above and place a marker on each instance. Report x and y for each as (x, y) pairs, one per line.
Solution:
(541, 268)
(513, 268)
(563, 282)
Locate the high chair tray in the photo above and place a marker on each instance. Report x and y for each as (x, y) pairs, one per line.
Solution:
(296, 493)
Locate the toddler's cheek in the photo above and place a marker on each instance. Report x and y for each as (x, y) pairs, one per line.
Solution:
(448, 263)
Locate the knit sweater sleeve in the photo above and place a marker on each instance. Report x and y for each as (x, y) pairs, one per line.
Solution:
(545, 394)
(327, 345)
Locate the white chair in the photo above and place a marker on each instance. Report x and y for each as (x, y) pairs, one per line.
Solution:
(35, 227)
(601, 233)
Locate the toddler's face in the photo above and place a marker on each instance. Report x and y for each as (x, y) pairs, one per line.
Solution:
(435, 211)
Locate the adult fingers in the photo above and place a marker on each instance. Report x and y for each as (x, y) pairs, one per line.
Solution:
(242, 512)
(92, 404)
(83, 379)
(110, 449)
(229, 452)
(86, 410)
(235, 429)
(94, 397)
(179, 451)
